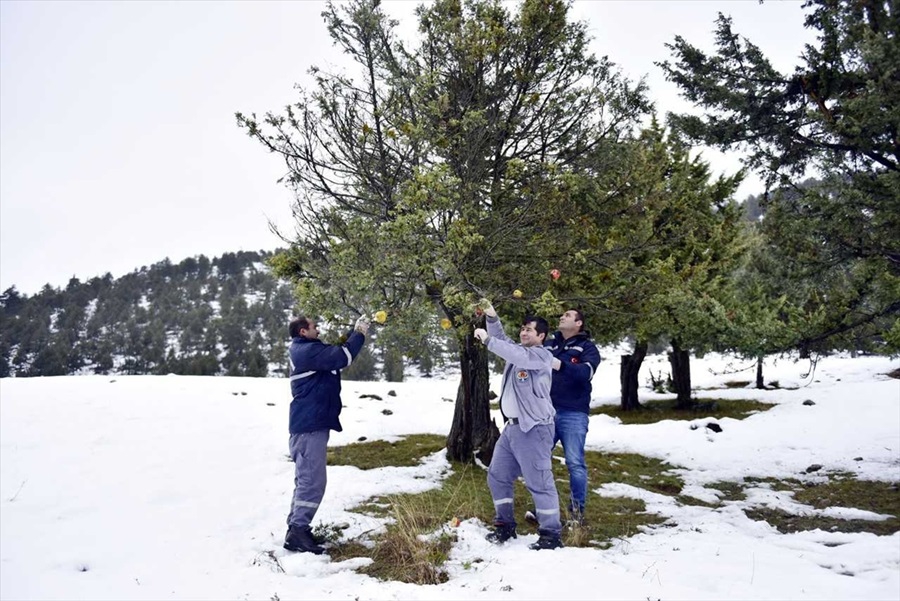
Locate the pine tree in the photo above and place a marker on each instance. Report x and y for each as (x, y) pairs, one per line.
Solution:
(836, 118)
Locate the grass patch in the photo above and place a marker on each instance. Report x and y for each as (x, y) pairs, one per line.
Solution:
(844, 490)
(728, 491)
(379, 453)
(418, 539)
(625, 468)
(609, 518)
(737, 384)
(841, 490)
(420, 531)
(405, 552)
(787, 523)
(465, 495)
(656, 411)
(788, 484)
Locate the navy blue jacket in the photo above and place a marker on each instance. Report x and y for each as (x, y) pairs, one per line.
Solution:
(579, 359)
(316, 382)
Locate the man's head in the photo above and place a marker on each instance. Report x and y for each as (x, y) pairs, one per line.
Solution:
(571, 322)
(303, 327)
(533, 331)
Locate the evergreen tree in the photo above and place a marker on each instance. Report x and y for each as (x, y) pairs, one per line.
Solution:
(447, 159)
(666, 257)
(836, 118)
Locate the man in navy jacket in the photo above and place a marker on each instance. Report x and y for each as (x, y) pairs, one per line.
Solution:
(575, 361)
(316, 388)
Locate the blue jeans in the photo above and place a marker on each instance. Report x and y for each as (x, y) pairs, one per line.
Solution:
(571, 430)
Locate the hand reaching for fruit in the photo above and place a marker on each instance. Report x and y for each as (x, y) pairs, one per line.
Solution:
(487, 307)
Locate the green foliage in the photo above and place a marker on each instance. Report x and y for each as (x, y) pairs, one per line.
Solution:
(835, 117)
(441, 172)
(438, 186)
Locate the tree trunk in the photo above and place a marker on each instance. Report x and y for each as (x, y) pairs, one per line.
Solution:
(759, 373)
(628, 376)
(680, 360)
(473, 433)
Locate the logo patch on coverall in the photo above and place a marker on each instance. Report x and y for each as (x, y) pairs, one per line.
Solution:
(521, 375)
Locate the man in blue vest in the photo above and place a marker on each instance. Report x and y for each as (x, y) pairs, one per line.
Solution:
(316, 388)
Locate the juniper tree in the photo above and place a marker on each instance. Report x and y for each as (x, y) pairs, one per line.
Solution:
(436, 175)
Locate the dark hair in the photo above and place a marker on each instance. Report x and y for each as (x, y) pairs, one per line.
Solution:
(579, 316)
(300, 323)
(540, 324)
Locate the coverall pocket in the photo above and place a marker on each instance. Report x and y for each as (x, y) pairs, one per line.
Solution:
(544, 471)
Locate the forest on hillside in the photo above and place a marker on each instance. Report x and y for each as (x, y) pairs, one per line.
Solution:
(202, 316)
(222, 316)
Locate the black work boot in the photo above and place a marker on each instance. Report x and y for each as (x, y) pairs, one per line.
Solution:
(501, 533)
(301, 539)
(546, 540)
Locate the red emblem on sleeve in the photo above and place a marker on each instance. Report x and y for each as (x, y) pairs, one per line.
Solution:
(573, 360)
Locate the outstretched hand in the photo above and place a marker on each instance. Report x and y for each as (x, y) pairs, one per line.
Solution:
(362, 325)
(487, 307)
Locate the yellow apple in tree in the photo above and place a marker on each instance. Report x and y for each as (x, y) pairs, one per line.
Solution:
(381, 316)
(517, 293)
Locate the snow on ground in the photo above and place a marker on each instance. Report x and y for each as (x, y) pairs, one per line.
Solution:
(173, 487)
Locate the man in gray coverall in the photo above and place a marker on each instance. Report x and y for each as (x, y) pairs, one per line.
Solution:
(526, 443)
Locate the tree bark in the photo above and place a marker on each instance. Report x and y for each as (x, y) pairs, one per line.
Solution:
(759, 373)
(680, 360)
(473, 433)
(628, 376)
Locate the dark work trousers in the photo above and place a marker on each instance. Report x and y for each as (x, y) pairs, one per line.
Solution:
(308, 452)
(525, 454)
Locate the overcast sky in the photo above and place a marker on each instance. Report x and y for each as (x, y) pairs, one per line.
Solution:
(118, 143)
